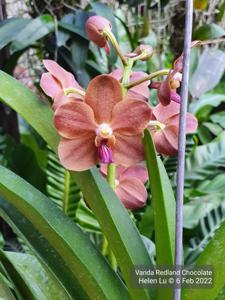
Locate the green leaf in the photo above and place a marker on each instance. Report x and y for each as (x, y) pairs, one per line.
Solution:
(163, 203)
(5, 292)
(72, 29)
(26, 272)
(27, 104)
(207, 100)
(220, 15)
(116, 224)
(61, 187)
(64, 236)
(198, 207)
(10, 30)
(35, 30)
(41, 248)
(110, 213)
(213, 255)
(208, 32)
(205, 161)
(219, 118)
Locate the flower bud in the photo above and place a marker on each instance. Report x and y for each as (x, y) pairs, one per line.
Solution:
(95, 26)
(142, 52)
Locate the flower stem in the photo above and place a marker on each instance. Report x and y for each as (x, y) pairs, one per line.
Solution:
(127, 71)
(111, 178)
(111, 175)
(111, 37)
(149, 77)
(68, 91)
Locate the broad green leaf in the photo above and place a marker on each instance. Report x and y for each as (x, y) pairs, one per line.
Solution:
(33, 110)
(72, 29)
(213, 255)
(35, 30)
(215, 129)
(10, 30)
(119, 229)
(41, 248)
(163, 203)
(5, 293)
(207, 100)
(25, 270)
(208, 32)
(62, 36)
(198, 208)
(22, 290)
(73, 246)
(204, 161)
(219, 118)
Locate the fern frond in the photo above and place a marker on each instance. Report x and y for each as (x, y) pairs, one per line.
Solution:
(207, 225)
(61, 187)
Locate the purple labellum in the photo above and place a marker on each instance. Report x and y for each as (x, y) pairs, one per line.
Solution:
(175, 97)
(105, 154)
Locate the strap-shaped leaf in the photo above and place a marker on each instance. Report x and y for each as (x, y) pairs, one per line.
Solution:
(27, 274)
(117, 226)
(213, 255)
(86, 264)
(163, 203)
(47, 255)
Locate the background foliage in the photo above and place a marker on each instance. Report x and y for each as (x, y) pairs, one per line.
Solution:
(55, 29)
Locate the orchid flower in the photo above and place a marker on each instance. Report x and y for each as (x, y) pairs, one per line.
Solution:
(164, 127)
(140, 91)
(104, 128)
(59, 84)
(130, 187)
(95, 27)
(167, 88)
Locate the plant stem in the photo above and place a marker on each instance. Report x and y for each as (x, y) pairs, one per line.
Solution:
(111, 178)
(149, 77)
(182, 142)
(111, 37)
(127, 71)
(111, 175)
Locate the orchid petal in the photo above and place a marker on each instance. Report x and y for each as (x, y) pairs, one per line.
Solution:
(191, 122)
(162, 113)
(164, 91)
(50, 85)
(66, 78)
(141, 91)
(166, 140)
(175, 97)
(132, 193)
(79, 154)
(102, 94)
(136, 171)
(130, 117)
(74, 119)
(128, 150)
